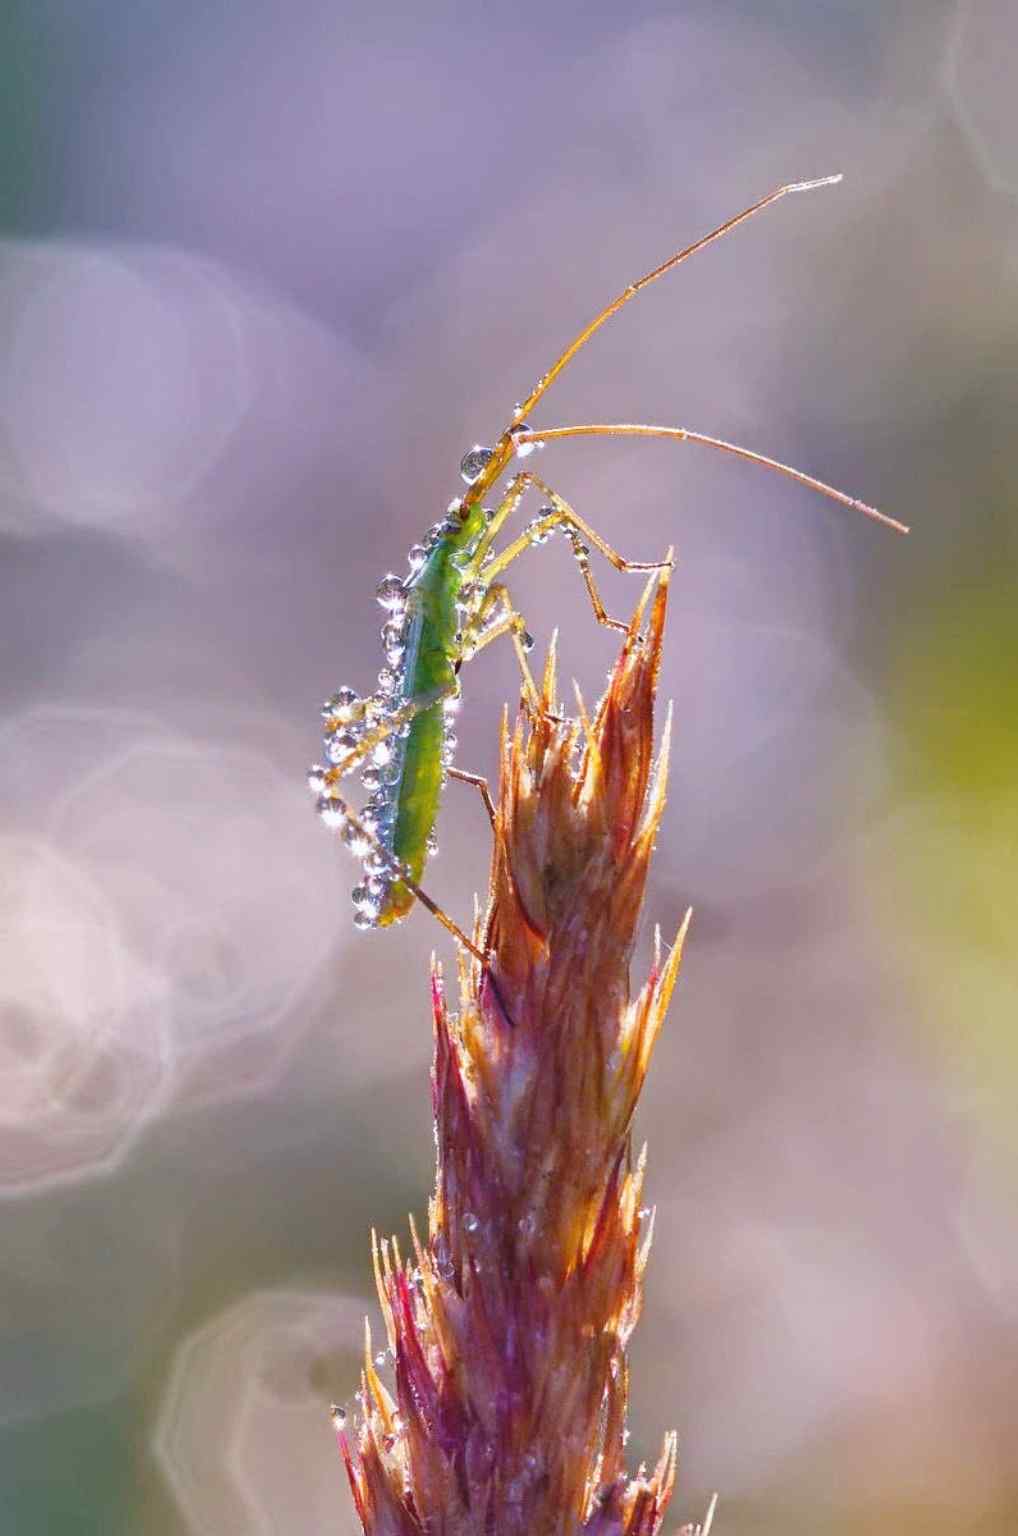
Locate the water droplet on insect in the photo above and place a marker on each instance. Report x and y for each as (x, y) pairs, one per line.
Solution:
(341, 705)
(371, 777)
(416, 556)
(383, 752)
(380, 1357)
(388, 682)
(362, 897)
(331, 813)
(355, 840)
(391, 593)
(340, 746)
(535, 533)
(376, 861)
(474, 462)
(523, 450)
(378, 887)
(363, 920)
(527, 640)
(432, 844)
(338, 1415)
(470, 1222)
(316, 778)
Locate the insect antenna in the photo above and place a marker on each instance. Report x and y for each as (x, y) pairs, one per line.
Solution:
(523, 410)
(684, 435)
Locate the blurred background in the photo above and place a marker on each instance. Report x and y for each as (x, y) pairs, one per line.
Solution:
(266, 271)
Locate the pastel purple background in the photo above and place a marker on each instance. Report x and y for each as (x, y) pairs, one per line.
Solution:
(266, 271)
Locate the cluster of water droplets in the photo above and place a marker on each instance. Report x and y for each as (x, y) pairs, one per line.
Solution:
(349, 719)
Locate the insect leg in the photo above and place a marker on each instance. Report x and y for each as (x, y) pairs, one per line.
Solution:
(482, 632)
(481, 784)
(580, 535)
(372, 738)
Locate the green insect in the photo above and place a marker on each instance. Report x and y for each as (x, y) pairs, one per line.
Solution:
(454, 602)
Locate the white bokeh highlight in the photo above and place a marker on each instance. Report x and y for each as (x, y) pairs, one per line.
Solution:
(243, 1437)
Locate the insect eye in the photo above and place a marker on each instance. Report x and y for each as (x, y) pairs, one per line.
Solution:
(474, 462)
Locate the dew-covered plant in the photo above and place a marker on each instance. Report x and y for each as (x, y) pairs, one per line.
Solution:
(508, 1324)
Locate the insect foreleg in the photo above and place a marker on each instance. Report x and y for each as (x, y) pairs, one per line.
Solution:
(362, 745)
(581, 536)
(484, 630)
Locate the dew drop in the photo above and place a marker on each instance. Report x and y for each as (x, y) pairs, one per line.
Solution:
(340, 746)
(474, 462)
(527, 640)
(470, 1222)
(388, 682)
(316, 778)
(355, 840)
(342, 704)
(535, 533)
(417, 556)
(383, 752)
(451, 706)
(331, 813)
(523, 450)
(338, 1415)
(363, 920)
(432, 844)
(380, 1357)
(391, 593)
(364, 901)
(371, 777)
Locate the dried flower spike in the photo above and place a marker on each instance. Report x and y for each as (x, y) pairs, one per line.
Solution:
(509, 1326)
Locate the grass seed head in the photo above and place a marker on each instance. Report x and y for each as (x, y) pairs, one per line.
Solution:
(509, 1325)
